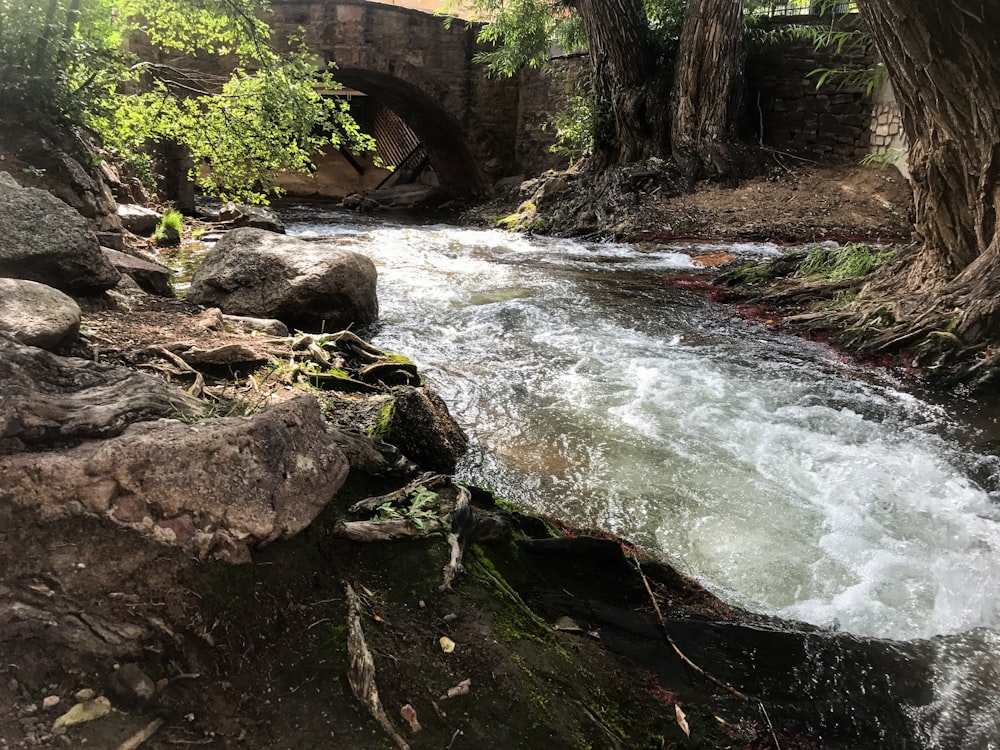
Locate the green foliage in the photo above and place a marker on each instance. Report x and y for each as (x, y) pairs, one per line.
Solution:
(853, 260)
(835, 40)
(420, 512)
(63, 61)
(172, 220)
(889, 156)
(526, 31)
(586, 121)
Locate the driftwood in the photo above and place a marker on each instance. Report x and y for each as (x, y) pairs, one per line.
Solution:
(361, 668)
(461, 524)
(390, 373)
(385, 531)
(27, 610)
(49, 399)
(140, 737)
(356, 346)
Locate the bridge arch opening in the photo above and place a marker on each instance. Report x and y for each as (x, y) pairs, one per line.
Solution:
(447, 148)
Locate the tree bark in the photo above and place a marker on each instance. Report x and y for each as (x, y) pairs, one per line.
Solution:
(623, 59)
(943, 59)
(708, 88)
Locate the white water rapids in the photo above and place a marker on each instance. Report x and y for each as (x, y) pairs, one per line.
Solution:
(784, 478)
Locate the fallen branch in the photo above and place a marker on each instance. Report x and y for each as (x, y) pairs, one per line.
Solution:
(199, 379)
(361, 668)
(354, 344)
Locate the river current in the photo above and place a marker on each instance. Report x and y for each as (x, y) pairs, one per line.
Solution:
(787, 479)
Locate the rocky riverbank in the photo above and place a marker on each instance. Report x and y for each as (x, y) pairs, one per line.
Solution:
(187, 557)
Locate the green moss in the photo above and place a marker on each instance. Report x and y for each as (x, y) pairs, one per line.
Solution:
(398, 359)
(518, 621)
(383, 421)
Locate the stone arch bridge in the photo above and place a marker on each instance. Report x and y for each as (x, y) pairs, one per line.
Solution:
(423, 71)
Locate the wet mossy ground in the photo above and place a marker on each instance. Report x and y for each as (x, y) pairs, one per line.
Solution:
(255, 655)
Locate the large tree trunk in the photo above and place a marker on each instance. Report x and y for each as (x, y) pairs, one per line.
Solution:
(708, 88)
(943, 59)
(623, 59)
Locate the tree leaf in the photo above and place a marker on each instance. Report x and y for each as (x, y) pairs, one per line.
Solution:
(682, 721)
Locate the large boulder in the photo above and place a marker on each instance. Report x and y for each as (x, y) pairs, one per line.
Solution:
(44, 240)
(306, 285)
(38, 315)
(213, 487)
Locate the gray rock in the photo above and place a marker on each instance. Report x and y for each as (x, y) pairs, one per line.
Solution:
(214, 487)
(138, 219)
(305, 285)
(44, 240)
(38, 315)
(269, 326)
(111, 240)
(151, 277)
(257, 217)
(132, 686)
(421, 426)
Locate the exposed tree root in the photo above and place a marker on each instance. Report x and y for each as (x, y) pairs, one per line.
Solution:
(463, 522)
(361, 669)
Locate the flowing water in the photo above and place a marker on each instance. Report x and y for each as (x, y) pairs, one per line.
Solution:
(785, 478)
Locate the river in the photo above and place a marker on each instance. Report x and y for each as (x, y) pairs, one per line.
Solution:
(786, 478)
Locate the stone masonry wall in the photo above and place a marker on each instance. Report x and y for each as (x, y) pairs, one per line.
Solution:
(829, 125)
(887, 136)
(544, 92)
(783, 104)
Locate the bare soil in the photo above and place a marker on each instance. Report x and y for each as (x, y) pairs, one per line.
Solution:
(791, 204)
(254, 655)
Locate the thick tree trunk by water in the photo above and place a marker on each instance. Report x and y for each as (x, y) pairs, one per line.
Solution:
(943, 59)
(623, 59)
(708, 85)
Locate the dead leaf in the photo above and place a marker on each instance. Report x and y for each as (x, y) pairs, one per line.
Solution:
(409, 715)
(461, 688)
(682, 721)
(710, 260)
(447, 644)
(565, 623)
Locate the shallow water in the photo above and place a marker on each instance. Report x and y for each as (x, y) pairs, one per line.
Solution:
(785, 478)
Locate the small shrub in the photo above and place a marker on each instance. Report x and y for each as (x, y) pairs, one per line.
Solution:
(168, 231)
